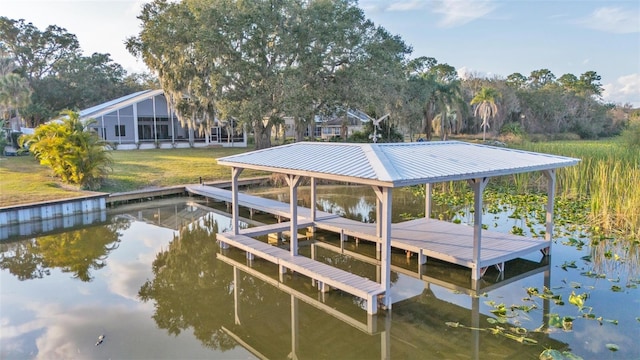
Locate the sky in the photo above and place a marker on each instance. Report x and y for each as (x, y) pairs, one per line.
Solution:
(485, 38)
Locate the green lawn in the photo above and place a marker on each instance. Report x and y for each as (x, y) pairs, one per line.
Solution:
(23, 180)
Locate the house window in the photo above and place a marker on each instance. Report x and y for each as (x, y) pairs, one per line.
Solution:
(120, 130)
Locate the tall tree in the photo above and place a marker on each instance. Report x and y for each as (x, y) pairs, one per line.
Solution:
(256, 61)
(35, 51)
(540, 78)
(486, 107)
(441, 94)
(516, 80)
(14, 95)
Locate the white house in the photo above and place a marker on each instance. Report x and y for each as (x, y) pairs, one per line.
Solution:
(328, 127)
(144, 120)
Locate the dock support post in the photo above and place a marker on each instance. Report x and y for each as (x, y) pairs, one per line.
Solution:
(478, 186)
(383, 195)
(551, 191)
(312, 206)
(427, 200)
(235, 173)
(293, 181)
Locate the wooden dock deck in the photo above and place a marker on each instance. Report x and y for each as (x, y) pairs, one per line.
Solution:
(438, 239)
(442, 240)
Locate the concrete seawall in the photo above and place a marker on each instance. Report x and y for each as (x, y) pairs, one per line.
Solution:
(43, 217)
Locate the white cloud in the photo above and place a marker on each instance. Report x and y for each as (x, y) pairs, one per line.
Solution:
(626, 89)
(406, 5)
(460, 12)
(613, 19)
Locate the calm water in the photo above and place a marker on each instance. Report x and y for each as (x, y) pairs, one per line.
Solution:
(151, 278)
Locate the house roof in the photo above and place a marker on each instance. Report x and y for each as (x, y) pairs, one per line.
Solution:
(395, 164)
(119, 103)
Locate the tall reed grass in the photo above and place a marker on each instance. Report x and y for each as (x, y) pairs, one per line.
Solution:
(608, 175)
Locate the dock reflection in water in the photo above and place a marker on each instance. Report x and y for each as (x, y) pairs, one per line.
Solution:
(159, 286)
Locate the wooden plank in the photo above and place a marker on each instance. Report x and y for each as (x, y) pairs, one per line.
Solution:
(273, 228)
(442, 240)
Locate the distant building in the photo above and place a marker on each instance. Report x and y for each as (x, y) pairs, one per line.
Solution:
(144, 120)
(328, 127)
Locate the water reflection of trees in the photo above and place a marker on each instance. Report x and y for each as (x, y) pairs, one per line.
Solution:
(190, 288)
(76, 251)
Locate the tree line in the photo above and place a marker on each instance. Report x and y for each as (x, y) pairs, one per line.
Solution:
(43, 72)
(256, 62)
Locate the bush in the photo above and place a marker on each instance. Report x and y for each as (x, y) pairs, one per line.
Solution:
(75, 154)
(631, 135)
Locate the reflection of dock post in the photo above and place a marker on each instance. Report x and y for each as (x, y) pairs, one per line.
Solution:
(385, 338)
(475, 323)
(294, 327)
(236, 286)
(546, 302)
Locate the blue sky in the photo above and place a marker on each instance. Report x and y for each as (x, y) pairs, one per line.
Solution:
(479, 37)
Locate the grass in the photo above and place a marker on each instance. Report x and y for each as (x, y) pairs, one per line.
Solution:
(24, 180)
(608, 176)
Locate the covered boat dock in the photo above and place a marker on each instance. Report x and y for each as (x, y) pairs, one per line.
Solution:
(384, 167)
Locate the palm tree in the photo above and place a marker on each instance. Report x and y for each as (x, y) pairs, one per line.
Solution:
(447, 103)
(486, 107)
(14, 94)
(76, 154)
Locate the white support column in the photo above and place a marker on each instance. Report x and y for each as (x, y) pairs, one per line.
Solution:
(103, 130)
(155, 127)
(119, 132)
(379, 205)
(386, 200)
(427, 200)
(313, 200)
(551, 192)
(293, 181)
(235, 173)
(136, 136)
(378, 217)
(478, 186)
(173, 126)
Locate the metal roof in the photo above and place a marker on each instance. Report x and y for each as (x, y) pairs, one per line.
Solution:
(395, 164)
(119, 103)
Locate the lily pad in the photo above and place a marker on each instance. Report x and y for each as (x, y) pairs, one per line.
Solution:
(612, 347)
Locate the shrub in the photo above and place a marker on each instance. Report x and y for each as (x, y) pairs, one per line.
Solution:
(75, 154)
(631, 135)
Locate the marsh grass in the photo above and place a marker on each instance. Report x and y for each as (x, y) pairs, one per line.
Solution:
(608, 176)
